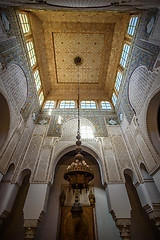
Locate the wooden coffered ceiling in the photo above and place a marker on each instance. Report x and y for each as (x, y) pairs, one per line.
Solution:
(60, 36)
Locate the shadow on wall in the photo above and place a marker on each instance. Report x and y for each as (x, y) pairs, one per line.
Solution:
(4, 120)
(141, 226)
(13, 226)
(153, 121)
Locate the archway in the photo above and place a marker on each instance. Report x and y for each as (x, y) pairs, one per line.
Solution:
(153, 121)
(99, 217)
(4, 120)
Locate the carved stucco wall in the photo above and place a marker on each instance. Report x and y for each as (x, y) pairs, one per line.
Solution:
(143, 86)
(15, 83)
(115, 152)
(143, 53)
(13, 51)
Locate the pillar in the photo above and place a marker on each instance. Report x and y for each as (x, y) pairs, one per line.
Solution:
(8, 192)
(120, 209)
(34, 208)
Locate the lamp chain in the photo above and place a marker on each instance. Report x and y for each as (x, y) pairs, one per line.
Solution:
(78, 131)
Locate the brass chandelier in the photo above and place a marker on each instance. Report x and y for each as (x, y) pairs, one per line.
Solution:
(78, 174)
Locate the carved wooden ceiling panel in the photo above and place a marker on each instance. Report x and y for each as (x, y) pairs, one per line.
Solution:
(88, 46)
(97, 37)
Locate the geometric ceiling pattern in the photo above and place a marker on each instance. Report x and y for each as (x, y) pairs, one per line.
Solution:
(96, 37)
(88, 46)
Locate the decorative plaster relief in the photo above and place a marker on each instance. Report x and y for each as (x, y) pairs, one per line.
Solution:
(40, 129)
(41, 173)
(15, 83)
(147, 156)
(114, 130)
(139, 86)
(112, 167)
(6, 157)
(32, 153)
(121, 152)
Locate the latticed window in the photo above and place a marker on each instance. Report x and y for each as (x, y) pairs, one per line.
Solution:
(49, 105)
(67, 104)
(41, 98)
(114, 99)
(132, 25)
(31, 53)
(118, 81)
(86, 132)
(24, 22)
(106, 105)
(88, 104)
(37, 80)
(124, 55)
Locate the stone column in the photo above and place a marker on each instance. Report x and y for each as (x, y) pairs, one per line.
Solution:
(34, 208)
(150, 199)
(120, 209)
(8, 192)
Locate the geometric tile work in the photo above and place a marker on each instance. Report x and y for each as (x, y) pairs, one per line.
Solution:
(55, 129)
(143, 53)
(12, 50)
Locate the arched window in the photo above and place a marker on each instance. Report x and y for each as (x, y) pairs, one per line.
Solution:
(124, 55)
(114, 99)
(118, 81)
(37, 80)
(31, 53)
(41, 98)
(88, 105)
(67, 104)
(24, 22)
(49, 105)
(106, 105)
(132, 26)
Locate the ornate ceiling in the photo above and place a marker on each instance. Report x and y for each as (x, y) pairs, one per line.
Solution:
(94, 30)
(59, 37)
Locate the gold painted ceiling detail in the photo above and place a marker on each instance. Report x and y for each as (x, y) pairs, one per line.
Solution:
(69, 45)
(97, 37)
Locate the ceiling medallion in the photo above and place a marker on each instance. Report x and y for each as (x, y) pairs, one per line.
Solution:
(78, 61)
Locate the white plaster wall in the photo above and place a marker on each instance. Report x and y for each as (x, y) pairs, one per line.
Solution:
(156, 178)
(35, 201)
(105, 224)
(118, 200)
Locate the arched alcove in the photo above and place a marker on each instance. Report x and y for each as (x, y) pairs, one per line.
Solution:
(69, 129)
(153, 121)
(4, 119)
(16, 85)
(51, 225)
(141, 226)
(138, 88)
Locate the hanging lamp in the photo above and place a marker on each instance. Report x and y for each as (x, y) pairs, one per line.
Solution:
(78, 173)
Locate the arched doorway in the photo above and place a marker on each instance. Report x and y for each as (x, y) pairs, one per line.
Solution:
(96, 222)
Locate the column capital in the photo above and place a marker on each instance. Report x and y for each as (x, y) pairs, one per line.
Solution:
(154, 213)
(30, 226)
(123, 224)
